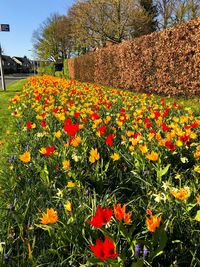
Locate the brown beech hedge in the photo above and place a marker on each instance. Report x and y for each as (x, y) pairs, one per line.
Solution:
(166, 63)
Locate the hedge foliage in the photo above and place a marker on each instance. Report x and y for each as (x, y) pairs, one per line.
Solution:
(47, 68)
(66, 69)
(166, 63)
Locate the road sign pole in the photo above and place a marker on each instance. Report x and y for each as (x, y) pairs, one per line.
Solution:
(1, 69)
(3, 28)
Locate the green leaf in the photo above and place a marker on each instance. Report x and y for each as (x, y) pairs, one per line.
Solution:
(197, 217)
(1, 246)
(45, 228)
(124, 232)
(95, 261)
(161, 172)
(139, 263)
(161, 238)
(190, 207)
(44, 175)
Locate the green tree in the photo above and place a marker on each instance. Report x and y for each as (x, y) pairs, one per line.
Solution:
(52, 40)
(97, 21)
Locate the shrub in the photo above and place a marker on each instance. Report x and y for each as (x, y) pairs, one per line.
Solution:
(66, 69)
(59, 74)
(165, 63)
(46, 68)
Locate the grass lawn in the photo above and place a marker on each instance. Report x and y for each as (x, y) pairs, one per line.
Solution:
(11, 91)
(5, 118)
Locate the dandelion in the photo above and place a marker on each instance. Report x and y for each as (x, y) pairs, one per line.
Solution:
(25, 157)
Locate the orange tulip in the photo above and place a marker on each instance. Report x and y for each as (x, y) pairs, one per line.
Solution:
(120, 213)
(153, 222)
(49, 217)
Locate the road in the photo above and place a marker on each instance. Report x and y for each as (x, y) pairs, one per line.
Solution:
(13, 77)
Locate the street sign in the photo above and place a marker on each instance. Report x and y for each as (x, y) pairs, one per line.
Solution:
(4, 27)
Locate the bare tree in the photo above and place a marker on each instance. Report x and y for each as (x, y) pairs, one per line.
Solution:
(165, 10)
(172, 12)
(185, 10)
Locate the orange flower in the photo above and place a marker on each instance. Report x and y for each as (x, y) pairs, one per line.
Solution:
(181, 194)
(120, 213)
(66, 165)
(115, 156)
(198, 199)
(26, 157)
(75, 141)
(143, 149)
(197, 169)
(94, 155)
(49, 217)
(152, 156)
(153, 222)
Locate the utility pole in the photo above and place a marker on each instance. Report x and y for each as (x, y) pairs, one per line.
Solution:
(1, 68)
(3, 28)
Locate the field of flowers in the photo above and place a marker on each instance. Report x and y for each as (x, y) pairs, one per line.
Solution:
(100, 177)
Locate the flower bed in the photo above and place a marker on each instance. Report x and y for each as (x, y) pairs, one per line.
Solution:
(100, 177)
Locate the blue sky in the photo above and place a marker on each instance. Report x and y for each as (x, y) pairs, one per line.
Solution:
(25, 16)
